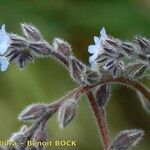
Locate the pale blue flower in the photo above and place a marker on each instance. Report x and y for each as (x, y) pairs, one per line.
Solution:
(4, 40)
(97, 49)
(4, 63)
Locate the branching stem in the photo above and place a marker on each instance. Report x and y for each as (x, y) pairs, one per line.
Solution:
(98, 112)
(120, 80)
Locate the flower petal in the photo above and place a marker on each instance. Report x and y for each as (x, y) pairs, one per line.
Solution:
(103, 33)
(4, 40)
(93, 57)
(97, 49)
(4, 63)
(96, 40)
(3, 28)
(94, 65)
(92, 49)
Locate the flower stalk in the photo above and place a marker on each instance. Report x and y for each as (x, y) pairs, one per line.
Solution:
(98, 112)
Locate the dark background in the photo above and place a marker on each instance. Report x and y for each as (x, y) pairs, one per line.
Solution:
(44, 81)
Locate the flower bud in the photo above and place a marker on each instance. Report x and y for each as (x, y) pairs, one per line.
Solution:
(20, 137)
(126, 139)
(76, 69)
(62, 47)
(32, 112)
(102, 94)
(31, 32)
(61, 58)
(40, 48)
(128, 48)
(144, 44)
(39, 136)
(66, 112)
(18, 42)
(91, 76)
(107, 54)
(136, 70)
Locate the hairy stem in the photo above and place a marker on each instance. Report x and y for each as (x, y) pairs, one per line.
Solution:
(97, 111)
(132, 83)
(120, 80)
(100, 120)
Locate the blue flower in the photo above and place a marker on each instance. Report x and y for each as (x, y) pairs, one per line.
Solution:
(4, 63)
(4, 40)
(97, 49)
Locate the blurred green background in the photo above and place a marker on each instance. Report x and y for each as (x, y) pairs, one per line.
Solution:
(76, 21)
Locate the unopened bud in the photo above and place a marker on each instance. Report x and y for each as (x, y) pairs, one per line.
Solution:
(31, 32)
(126, 139)
(128, 48)
(39, 136)
(40, 48)
(136, 70)
(66, 112)
(143, 43)
(102, 94)
(32, 112)
(91, 76)
(76, 69)
(61, 58)
(62, 47)
(18, 42)
(20, 137)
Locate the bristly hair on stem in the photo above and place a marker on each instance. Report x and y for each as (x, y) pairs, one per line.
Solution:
(111, 60)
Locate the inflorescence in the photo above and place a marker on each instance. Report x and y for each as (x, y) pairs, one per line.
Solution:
(111, 61)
